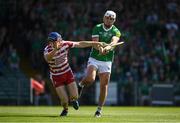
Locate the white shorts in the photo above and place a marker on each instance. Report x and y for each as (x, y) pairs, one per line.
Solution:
(101, 66)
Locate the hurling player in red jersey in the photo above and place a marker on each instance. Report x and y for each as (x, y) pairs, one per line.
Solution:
(55, 54)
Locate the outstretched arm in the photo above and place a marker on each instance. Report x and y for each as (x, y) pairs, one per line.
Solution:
(83, 44)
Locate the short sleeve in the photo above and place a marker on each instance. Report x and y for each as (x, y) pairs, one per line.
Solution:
(117, 33)
(95, 32)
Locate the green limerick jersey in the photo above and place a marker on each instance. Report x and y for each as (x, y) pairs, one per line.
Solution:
(104, 36)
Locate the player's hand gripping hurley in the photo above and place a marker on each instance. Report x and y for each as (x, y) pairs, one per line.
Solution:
(109, 47)
(119, 43)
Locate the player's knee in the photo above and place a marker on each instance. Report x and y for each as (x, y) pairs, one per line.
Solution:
(90, 79)
(104, 84)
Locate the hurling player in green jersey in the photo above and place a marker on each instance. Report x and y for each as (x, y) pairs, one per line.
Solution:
(100, 60)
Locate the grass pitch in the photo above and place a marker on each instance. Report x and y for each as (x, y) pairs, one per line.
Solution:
(85, 114)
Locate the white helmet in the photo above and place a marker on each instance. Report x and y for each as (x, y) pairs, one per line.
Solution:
(110, 13)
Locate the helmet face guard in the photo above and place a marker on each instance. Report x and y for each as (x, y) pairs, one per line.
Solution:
(53, 36)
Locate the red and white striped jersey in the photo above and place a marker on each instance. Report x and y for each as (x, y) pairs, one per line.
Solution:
(59, 63)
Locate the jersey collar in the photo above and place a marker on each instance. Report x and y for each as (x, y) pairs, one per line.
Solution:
(107, 29)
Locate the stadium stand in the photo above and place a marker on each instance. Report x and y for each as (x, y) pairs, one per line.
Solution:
(15, 87)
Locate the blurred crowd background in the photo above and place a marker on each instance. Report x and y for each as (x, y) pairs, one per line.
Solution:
(150, 29)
